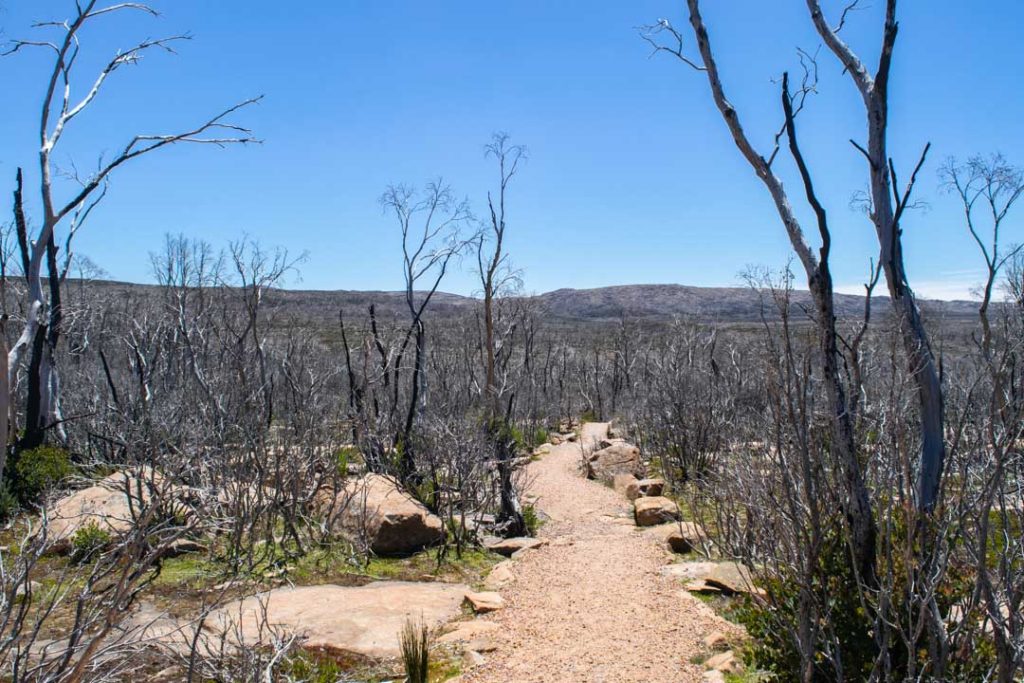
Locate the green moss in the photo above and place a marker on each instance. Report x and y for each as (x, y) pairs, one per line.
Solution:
(312, 667)
(190, 569)
(443, 669)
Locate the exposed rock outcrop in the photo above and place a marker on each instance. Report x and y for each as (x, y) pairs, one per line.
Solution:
(619, 458)
(362, 620)
(388, 520)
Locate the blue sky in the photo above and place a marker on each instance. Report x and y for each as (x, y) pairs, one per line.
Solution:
(632, 177)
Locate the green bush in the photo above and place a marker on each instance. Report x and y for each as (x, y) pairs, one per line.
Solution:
(88, 541)
(540, 435)
(8, 502)
(771, 624)
(345, 456)
(36, 471)
(531, 519)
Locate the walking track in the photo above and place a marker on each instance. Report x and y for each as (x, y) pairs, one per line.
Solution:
(592, 605)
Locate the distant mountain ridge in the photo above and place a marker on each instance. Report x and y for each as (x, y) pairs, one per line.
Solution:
(638, 302)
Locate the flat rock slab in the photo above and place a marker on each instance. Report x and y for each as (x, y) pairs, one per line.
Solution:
(484, 602)
(723, 577)
(510, 546)
(363, 620)
(468, 631)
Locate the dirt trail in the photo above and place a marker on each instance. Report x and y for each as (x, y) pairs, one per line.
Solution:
(592, 606)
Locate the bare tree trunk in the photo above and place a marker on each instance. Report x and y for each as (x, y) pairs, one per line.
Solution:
(819, 280)
(886, 218)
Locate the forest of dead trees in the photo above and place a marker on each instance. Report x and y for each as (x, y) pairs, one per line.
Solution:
(868, 472)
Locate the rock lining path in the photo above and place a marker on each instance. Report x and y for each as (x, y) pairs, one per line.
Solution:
(592, 605)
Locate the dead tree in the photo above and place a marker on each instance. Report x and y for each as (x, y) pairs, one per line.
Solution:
(816, 267)
(996, 186)
(42, 325)
(887, 206)
(496, 279)
(427, 250)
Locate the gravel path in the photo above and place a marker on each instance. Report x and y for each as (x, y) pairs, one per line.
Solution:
(592, 606)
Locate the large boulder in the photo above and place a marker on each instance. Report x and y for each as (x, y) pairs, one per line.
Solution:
(389, 521)
(653, 510)
(618, 458)
(361, 620)
(112, 504)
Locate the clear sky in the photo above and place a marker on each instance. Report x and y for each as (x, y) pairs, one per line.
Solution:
(632, 177)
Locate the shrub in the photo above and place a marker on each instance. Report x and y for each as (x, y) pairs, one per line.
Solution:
(8, 501)
(540, 435)
(345, 456)
(415, 644)
(88, 541)
(36, 471)
(531, 519)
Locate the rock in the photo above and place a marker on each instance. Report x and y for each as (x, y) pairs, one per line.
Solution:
(716, 641)
(391, 522)
(361, 620)
(724, 662)
(500, 576)
(510, 546)
(481, 645)
(484, 602)
(701, 586)
(614, 432)
(651, 487)
(683, 537)
(32, 588)
(607, 443)
(468, 631)
(714, 677)
(542, 450)
(724, 577)
(571, 437)
(619, 458)
(624, 483)
(471, 659)
(112, 504)
(555, 440)
(654, 510)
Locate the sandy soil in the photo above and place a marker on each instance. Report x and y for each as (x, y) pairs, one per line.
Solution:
(592, 606)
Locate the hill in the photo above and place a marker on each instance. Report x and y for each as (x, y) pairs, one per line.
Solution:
(637, 302)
